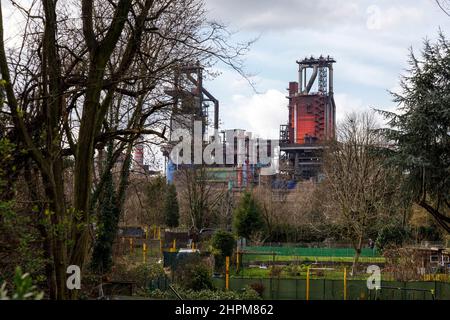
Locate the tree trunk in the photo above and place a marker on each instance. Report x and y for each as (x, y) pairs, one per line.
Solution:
(58, 235)
(47, 247)
(358, 249)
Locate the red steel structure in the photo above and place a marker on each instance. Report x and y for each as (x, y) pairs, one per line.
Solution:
(312, 117)
(312, 114)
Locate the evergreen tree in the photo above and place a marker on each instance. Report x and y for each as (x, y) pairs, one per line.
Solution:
(171, 208)
(107, 226)
(107, 229)
(155, 199)
(421, 130)
(223, 243)
(247, 217)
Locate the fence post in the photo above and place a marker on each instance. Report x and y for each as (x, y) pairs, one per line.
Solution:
(227, 273)
(131, 245)
(435, 290)
(307, 283)
(144, 252)
(324, 287)
(271, 288)
(345, 283)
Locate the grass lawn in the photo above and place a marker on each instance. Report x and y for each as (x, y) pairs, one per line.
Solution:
(285, 274)
(248, 258)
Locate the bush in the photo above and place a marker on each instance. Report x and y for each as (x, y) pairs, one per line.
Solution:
(157, 294)
(249, 293)
(258, 287)
(275, 271)
(200, 278)
(193, 274)
(294, 270)
(429, 233)
(391, 235)
(245, 294)
(23, 288)
(223, 243)
(142, 274)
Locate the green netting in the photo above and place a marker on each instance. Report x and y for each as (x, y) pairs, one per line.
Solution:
(312, 252)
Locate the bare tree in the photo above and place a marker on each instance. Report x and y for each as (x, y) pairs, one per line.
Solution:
(360, 185)
(200, 197)
(77, 61)
(444, 5)
(273, 205)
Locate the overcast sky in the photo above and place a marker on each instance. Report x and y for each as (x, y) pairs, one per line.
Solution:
(369, 39)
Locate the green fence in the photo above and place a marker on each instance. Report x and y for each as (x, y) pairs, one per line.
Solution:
(324, 289)
(312, 252)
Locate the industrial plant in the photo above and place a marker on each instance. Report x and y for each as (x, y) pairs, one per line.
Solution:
(296, 156)
(150, 151)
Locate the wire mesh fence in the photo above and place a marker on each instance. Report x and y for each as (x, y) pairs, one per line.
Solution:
(326, 289)
(310, 252)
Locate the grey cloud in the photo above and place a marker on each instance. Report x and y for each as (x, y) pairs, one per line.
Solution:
(264, 15)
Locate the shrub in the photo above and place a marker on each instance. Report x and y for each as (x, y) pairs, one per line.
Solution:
(258, 287)
(200, 278)
(157, 294)
(429, 233)
(294, 270)
(142, 274)
(23, 288)
(223, 245)
(275, 271)
(194, 274)
(391, 235)
(249, 293)
(246, 293)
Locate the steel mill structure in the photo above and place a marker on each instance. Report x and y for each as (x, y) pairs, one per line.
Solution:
(240, 166)
(312, 119)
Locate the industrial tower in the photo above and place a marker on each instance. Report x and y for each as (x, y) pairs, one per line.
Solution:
(312, 119)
